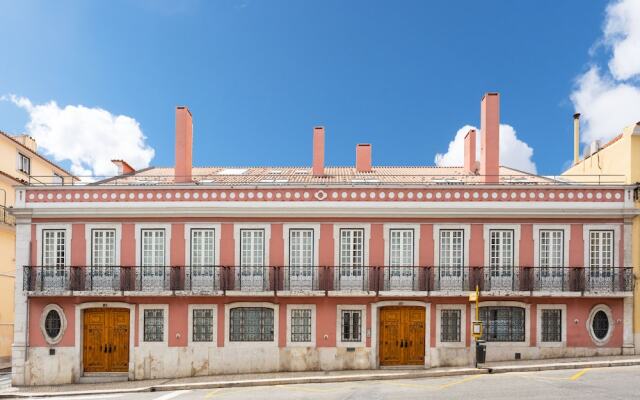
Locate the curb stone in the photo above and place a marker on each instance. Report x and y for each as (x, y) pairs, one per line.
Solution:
(341, 378)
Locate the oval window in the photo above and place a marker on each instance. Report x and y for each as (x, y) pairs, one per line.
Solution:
(600, 325)
(53, 324)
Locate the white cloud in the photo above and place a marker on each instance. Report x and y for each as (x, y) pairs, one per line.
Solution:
(608, 98)
(87, 137)
(514, 152)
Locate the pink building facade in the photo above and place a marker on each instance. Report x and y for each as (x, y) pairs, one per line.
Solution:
(185, 271)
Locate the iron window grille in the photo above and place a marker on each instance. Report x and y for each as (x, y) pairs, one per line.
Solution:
(251, 324)
(450, 325)
(300, 325)
(153, 325)
(551, 325)
(503, 324)
(351, 325)
(600, 325)
(202, 325)
(53, 324)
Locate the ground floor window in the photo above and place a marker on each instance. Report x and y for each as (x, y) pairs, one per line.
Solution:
(153, 325)
(450, 325)
(551, 325)
(251, 324)
(202, 325)
(600, 325)
(300, 325)
(351, 325)
(503, 324)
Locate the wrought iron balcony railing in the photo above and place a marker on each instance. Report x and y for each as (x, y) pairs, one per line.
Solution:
(220, 279)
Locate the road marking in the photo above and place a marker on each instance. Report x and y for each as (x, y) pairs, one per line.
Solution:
(467, 379)
(301, 388)
(212, 393)
(578, 374)
(172, 395)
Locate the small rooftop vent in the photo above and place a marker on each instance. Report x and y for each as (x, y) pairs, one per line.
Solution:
(232, 171)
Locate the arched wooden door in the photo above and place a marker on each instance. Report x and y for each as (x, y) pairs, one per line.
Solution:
(402, 336)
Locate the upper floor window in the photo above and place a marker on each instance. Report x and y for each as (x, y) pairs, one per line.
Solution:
(503, 324)
(24, 164)
(203, 247)
(153, 252)
(451, 252)
(251, 324)
(103, 247)
(501, 252)
(351, 247)
(252, 247)
(551, 252)
(601, 253)
(301, 247)
(401, 247)
(53, 248)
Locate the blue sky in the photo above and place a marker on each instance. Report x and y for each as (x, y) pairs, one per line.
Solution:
(258, 75)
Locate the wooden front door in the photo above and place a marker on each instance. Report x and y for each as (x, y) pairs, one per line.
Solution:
(402, 335)
(105, 345)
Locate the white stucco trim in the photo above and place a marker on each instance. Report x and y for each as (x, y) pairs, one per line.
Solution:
(487, 228)
(214, 339)
(466, 228)
(251, 345)
(79, 329)
(63, 323)
(566, 229)
(363, 325)
(167, 241)
(375, 317)
(527, 321)
(311, 307)
(67, 240)
(601, 227)
(336, 240)
(387, 241)
(563, 325)
(88, 228)
(316, 240)
(612, 324)
(463, 325)
(187, 240)
(236, 237)
(165, 334)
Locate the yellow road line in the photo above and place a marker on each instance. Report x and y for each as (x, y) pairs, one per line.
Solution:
(212, 393)
(467, 379)
(577, 375)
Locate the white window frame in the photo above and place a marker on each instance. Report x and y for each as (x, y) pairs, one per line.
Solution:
(363, 327)
(165, 328)
(387, 241)
(311, 307)
(563, 325)
(286, 228)
(616, 242)
(67, 241)
(612, 324)
(516, 228)
(89, 228)
(20, 164)
(167, 241)
(237, 239)
(463, 325)
(465, 241)
(214, 339)
(250, 345)
(365, 244)
(187, 240)
(566, 241)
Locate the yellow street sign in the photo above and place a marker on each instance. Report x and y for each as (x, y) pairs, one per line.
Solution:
(473, 296)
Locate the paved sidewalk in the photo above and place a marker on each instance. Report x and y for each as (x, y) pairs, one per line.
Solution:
(283, 378)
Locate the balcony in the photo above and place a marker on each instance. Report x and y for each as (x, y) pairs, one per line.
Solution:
(405, 280)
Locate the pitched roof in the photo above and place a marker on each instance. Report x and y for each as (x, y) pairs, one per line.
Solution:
(45, 159)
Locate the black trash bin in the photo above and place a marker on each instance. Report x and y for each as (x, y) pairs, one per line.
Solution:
(481, 352)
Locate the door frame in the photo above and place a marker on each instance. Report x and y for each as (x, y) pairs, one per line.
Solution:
(375, 317)
(79, 322)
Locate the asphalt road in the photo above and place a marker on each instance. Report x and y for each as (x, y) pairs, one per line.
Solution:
(600, 383)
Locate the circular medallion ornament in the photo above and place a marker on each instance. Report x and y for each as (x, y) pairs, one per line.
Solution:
(320, 195)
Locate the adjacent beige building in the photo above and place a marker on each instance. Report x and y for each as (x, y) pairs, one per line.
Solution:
(20, 164)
